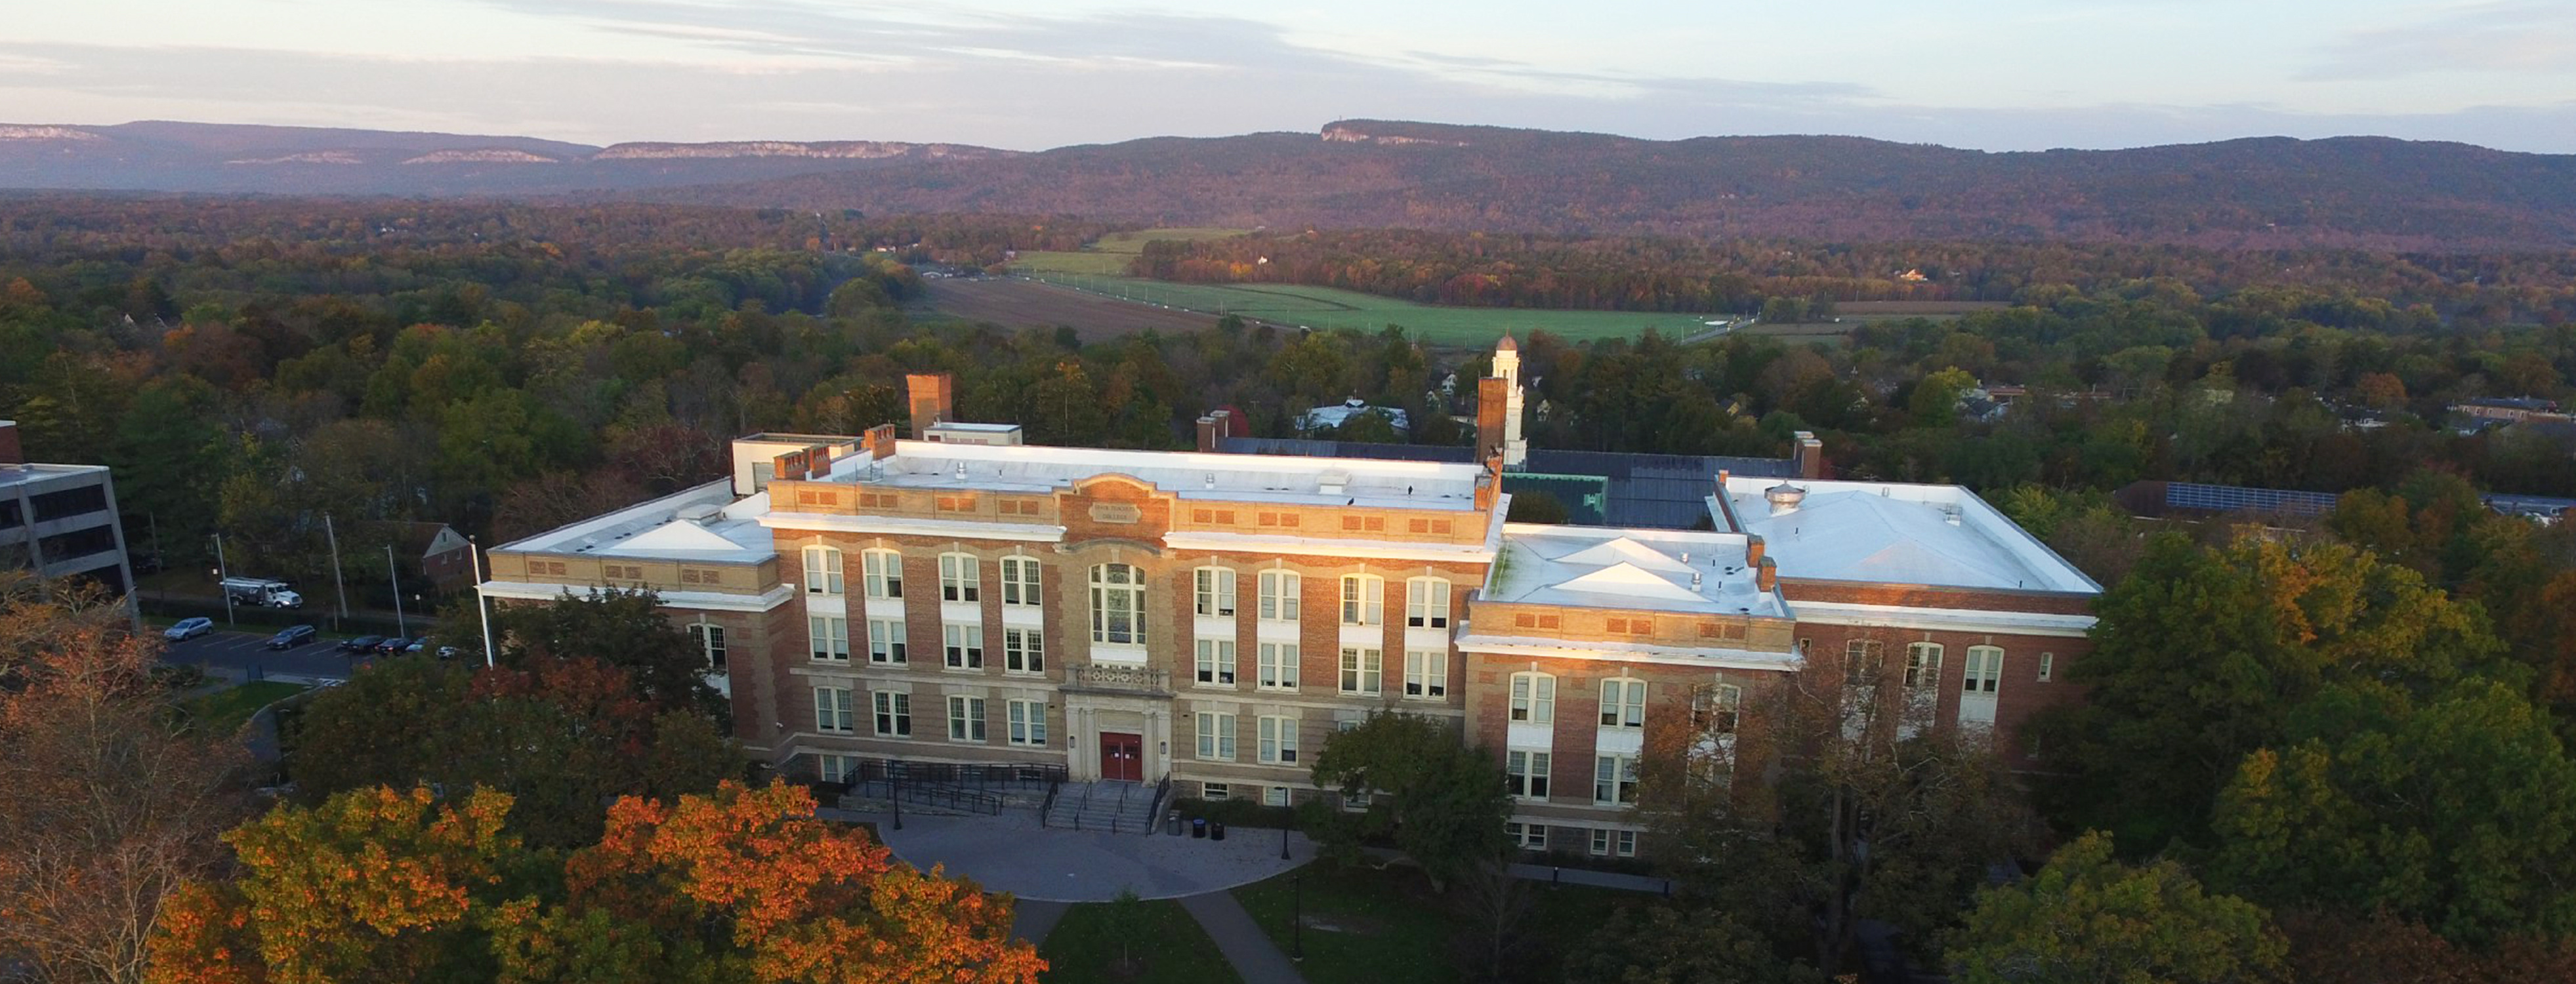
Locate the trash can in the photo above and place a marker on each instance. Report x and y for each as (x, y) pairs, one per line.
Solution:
(1216, 831)
(1172, 823)
(1198, 827)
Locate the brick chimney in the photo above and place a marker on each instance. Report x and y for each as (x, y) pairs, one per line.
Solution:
(879, 440)
(1753, 549)
(1767, 576)
(1493, 407)
(1218, 425)
(934, 400)
(10, 452)
(1807, 455)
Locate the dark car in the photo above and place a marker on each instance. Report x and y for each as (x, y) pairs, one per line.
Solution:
(392, 645)
(291, 637)
(361, 644)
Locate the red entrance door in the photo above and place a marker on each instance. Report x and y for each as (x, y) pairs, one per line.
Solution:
(1122, 756)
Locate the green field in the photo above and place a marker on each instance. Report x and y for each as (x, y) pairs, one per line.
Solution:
(1085, 946)
(1324, 308)
(1108, 255)
(224, 711)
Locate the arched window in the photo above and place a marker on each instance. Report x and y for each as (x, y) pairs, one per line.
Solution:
(1623, 703)
(1117, 604)
(961, 578)
(822, 570)
(1215, 591)
(1426, 603)
(884, 569)
(1922, 665)
(1363, 600)
(1533, 698)
(1279, 601)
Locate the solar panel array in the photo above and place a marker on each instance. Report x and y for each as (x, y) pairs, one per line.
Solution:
(2238, 498)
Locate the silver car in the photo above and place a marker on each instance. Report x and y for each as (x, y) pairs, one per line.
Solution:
(188, 628)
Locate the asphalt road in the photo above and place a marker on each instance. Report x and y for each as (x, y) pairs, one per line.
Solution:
(246, 653)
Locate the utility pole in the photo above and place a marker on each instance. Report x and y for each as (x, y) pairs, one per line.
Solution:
(222, 575)
(400, 627)
(482, 607)
(337, 585)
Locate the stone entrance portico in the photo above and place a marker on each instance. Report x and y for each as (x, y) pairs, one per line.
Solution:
(1107, 699)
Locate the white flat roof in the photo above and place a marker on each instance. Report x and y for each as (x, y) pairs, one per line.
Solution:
(729, 532)
(1897, 533)
(1284, 479)
(1653, 570)
(23, 474)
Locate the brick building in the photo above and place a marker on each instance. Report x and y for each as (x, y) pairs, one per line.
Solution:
(1212, 618)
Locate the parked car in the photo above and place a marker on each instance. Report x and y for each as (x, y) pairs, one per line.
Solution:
(188, 628)
(291, 637)
(417, 645)
(361, 644)
(392, 645)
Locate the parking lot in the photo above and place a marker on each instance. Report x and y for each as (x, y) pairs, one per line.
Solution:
(245, 652)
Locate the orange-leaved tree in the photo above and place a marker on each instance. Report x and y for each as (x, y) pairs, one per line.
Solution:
(744, 885)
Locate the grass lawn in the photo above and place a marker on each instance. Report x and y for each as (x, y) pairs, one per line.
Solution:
(1171, 944)
(1363, 924)
(1108, 255)
(223, 711)
(1324, 308)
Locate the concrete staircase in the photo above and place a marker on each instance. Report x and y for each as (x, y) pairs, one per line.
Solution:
(1124, 807)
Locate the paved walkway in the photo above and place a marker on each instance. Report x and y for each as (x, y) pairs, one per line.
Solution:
(1032, 920)
(1012, 853)
(1241, 940)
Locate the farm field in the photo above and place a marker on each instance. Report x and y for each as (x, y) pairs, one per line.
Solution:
(1108, 255)
(1017, 303)
(1323, 308)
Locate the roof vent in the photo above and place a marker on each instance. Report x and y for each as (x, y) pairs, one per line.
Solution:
(1950, 515)
(1333, 482)
(1784, 498)
(961, 471)
(702, 513)
(1694, 580)
(1211, 480)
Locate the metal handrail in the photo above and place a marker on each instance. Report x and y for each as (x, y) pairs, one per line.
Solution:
(1048, 806)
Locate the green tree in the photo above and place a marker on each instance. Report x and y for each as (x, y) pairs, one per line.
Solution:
(1668, 944)
(2200, 655)
(2460, 814)
(1440, 800)
(1936, 397)
(2087, 918)
(624, 629)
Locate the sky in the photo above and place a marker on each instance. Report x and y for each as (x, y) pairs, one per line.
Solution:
(1032, 74)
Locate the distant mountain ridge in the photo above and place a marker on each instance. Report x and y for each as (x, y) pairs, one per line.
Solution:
(2268, 192)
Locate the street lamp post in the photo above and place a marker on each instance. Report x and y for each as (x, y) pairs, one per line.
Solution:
(222, 575)
(395, 572)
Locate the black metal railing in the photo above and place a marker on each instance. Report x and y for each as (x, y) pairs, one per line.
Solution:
(1162, 795)
(1048, 806)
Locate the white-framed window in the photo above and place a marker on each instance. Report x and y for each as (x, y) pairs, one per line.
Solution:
(1613, 843)
(1215, 791)
(1363, 599)
(965, 719)
(1623, 703)
(965, 644)
(894, 714)
(2047, 664)
(711, 642)
(1527, 836)
(1426, 603)
(1277, 668)
(1216, 737)
(885, 641)
(1526, 773)
(1117, 604)
(1027, 722)
(822, 571)
(836, 768)
(832, 710)
(1863, 661)
(1363, 670)
(1533, 697)
(1279, 595)
(1426, 674)
(1985, 670)
(1023, 651)
(1214, 591)
(1614, 780)
(881, 573)
(961, 577)
(1020, 581)
(1278, 740)
(1216, 662)
(1716, 709)
(1922, 665)
(1274, 796)
(830, 638)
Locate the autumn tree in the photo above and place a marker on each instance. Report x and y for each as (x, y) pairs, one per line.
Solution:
(2328, 948)
(1440, 800)
(621, 628)
(2460, 814)
(2086, 917)
(1670, 944)
(740, 886)
(110, 802)
(2200, 656)
(562, 737)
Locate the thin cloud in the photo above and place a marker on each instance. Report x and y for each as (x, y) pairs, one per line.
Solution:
(2519, 36)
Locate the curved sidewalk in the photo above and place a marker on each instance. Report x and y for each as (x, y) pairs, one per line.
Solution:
(1012, 853)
